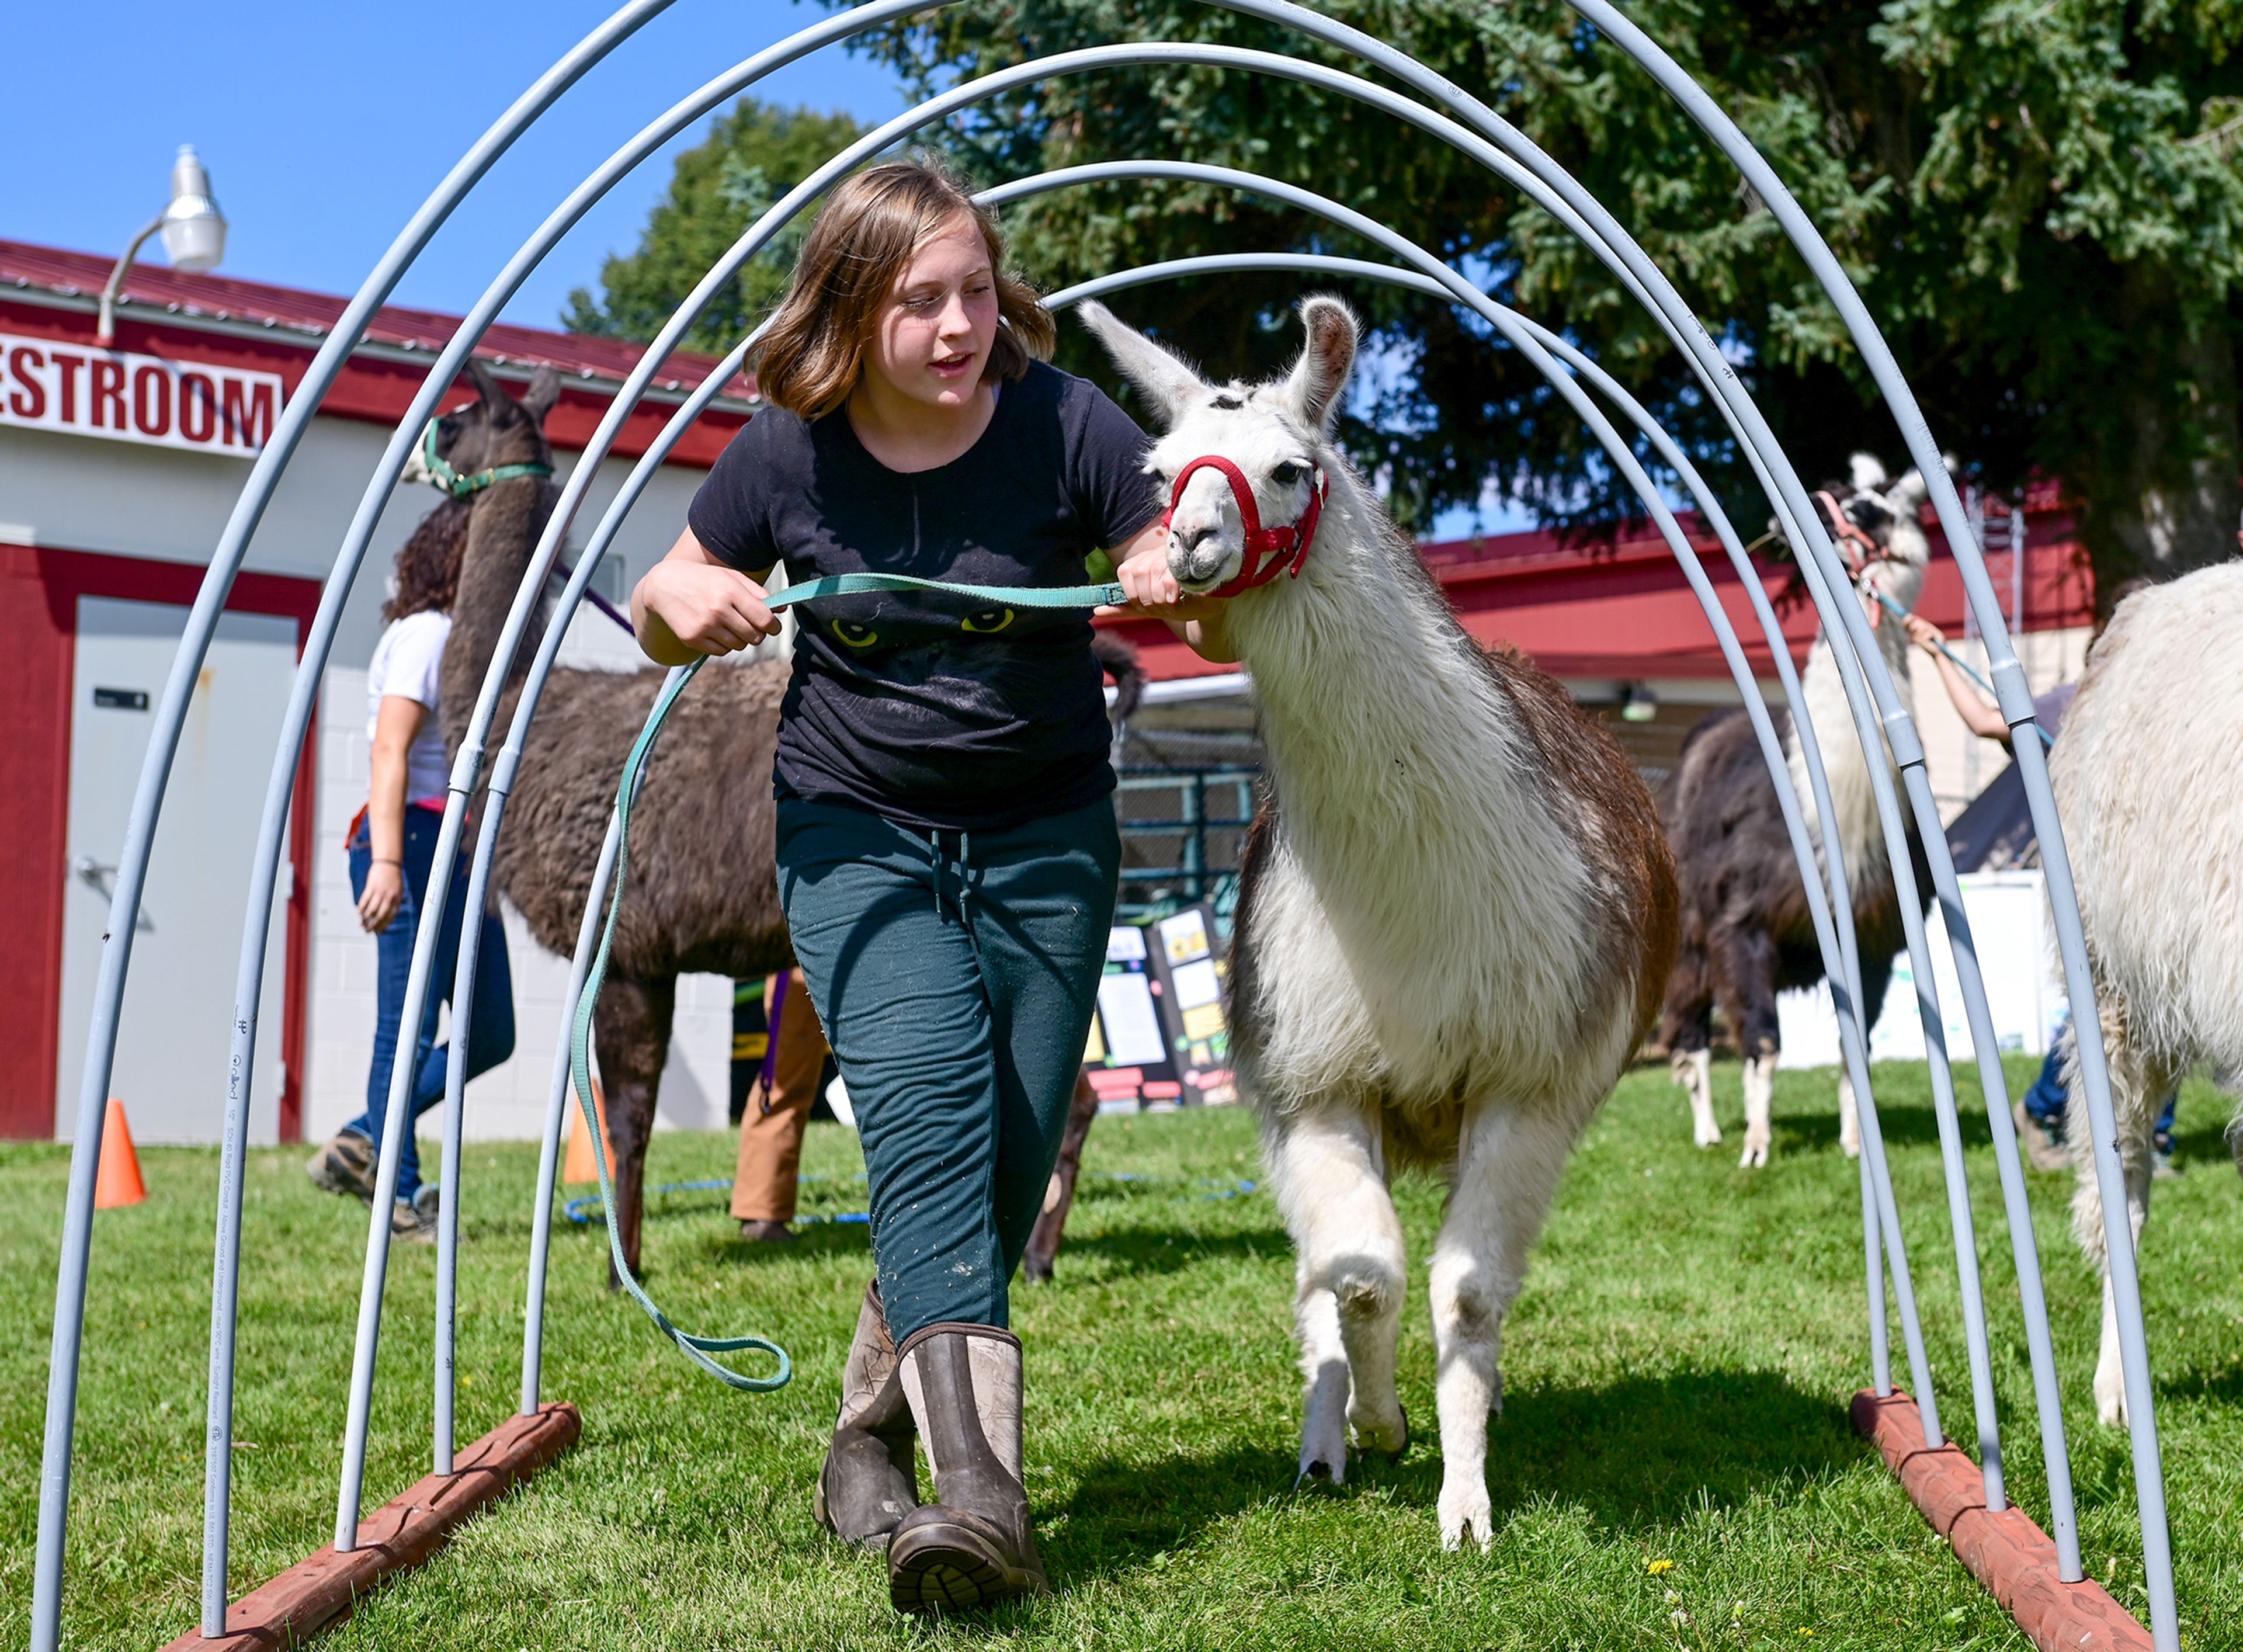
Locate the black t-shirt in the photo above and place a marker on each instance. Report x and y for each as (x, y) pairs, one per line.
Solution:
(932, 710)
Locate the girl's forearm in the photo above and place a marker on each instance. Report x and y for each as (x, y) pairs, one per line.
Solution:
(1979, 718)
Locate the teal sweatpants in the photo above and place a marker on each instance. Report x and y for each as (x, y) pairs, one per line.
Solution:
(955, 975)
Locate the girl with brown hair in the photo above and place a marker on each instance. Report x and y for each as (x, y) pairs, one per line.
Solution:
(946, 845)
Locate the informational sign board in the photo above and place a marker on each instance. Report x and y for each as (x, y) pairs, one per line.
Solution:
(1127, 1055)
(47, 384)
(1159, 1038)
(1190, 981)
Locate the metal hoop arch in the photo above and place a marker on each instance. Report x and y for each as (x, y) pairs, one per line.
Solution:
(1877, 710)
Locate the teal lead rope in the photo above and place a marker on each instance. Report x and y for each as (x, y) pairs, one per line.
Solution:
(699, 1350)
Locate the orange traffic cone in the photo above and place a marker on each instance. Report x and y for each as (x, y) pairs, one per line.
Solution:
(118, 1181)
(579, 1167)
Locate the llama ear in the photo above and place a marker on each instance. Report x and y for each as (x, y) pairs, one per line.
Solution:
(1313, 391)
(487, 385)
(1909, 492)
(544, 390)
(1867, 472)
(1164, 378)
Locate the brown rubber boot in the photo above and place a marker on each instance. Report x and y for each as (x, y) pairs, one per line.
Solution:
(870, 1480)
(974, 1544)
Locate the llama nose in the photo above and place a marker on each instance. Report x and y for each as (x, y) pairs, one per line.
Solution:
(1189, 539)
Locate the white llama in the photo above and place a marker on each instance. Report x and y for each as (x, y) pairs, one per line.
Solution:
(1456, 913)
(2152, 800)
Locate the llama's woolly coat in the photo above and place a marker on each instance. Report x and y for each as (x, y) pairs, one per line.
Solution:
(2149, 786)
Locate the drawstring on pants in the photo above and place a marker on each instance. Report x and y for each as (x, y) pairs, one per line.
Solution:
(959, 902)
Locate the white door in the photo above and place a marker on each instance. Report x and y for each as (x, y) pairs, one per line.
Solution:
(174, 1036)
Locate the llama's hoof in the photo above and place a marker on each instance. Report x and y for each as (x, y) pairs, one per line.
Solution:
(1387, 1439)
(1755, 1155)
(2110, 1397)
(1851, 1150)
(1464, 1513)
(1707, 1135)
(1321, 1470)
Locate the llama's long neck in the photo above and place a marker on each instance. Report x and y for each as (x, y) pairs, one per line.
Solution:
(1400, 764)
(1852, 797)
(502, 531)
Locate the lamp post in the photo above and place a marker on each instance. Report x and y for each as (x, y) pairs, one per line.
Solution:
(193, 231)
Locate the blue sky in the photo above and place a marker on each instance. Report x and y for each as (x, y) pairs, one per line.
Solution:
(325, 125)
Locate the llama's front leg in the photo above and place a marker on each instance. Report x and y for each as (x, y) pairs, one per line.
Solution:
(1507, 1167)
(1694, 1070)
(1760, 1106)
(1323, 1372)
(1748, 1001)
(632, 1035)
(1332, 1184)
(1849, 1117)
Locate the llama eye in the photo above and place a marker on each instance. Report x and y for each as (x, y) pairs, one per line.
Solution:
(1286, 474)
(988, 620)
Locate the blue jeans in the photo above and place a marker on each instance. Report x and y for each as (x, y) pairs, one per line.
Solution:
(955, 978)
(490, 1036)
(2047, 1100)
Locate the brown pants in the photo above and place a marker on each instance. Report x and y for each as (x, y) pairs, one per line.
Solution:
(771, 1141)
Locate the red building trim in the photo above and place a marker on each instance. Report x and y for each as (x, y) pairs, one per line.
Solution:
(204, 318)
(39, 589)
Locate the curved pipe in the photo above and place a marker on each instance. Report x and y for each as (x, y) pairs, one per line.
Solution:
(2016, 697)
(1448, 94)
(1415, 114)
(1252, 61)
(1844, 972)
(155, 772)
(464, 774)
(1822, 566)
(467, 767)
(1870, 690)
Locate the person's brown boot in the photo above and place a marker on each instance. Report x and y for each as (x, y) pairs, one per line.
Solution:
(870, 1479)
(974, 1544)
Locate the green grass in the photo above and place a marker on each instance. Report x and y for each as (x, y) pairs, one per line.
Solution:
(1677, 1372)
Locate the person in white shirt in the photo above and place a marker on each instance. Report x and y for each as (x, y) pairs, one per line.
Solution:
(391, 846)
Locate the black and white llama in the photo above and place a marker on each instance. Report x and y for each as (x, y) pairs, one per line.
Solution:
(1747, 932)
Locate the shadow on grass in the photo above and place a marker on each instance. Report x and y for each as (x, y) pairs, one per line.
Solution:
(1634, 1454)
(2222, 1385)
(1138, 1252)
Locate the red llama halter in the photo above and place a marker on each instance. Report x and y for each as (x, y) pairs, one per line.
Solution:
(1854, 542)
(1276, 545)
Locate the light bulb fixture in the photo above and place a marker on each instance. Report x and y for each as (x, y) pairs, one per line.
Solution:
(193, 231)
(1636, 703)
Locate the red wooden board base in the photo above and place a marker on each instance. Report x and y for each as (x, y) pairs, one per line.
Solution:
(2006, 1552)
(314, 1593)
